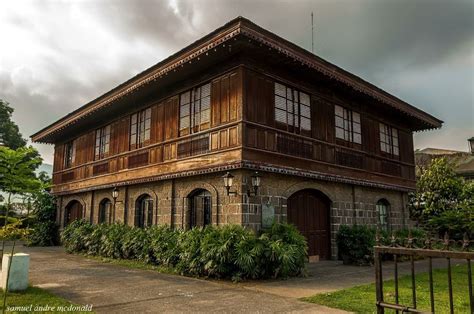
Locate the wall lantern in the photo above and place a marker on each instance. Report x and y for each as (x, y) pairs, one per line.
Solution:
(115, 193)
(255, 180)
(228, 181)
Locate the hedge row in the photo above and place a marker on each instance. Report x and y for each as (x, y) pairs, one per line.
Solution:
(222, 252)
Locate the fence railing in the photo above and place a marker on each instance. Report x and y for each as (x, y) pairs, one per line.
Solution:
(428, 248)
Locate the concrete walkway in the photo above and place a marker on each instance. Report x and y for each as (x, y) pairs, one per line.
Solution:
(328, 276)
(116, 289)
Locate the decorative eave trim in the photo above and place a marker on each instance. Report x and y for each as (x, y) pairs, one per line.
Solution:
(220, 36)
(247, 165)
(336, 73)
(138, 82)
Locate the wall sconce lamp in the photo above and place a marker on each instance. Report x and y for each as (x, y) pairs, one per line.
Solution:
(255, 181)
(228, 181)
(115, 194)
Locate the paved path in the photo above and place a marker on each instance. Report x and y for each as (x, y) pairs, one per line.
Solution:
(116, 289)
(327, 276)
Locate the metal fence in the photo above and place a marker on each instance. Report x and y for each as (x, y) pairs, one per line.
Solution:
(427, 248)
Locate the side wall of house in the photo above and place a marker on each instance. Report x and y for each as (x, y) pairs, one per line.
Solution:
(349, 204)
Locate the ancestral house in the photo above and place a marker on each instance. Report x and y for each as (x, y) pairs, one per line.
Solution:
(240, 127)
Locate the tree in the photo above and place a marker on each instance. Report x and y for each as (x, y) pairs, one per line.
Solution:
(9, 132)
(17, 172)
(443, 201)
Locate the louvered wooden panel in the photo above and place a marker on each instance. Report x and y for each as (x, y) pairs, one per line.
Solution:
(294, 146)
(100, 169)
(67, 176)
(194, 146)
(349, 159)
(138, 160)
(391, 168)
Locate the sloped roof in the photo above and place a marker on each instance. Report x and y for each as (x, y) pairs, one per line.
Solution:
(237, 27)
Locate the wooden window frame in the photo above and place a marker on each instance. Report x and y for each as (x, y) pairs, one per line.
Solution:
(383, 209)
(69, 154)
(195, 110)
(140, 128)
(389, 140)
(102, 142)
(293, 111)
(351, 127)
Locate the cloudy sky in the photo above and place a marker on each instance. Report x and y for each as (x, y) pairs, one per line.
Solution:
(57, 55)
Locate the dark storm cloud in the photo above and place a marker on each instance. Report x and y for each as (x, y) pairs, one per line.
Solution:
(64, 54)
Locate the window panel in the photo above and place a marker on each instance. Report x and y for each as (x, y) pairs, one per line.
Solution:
(304, 99)
(280, 102)
(388, 139)
(347, 124)
(305, 111)
(292, 108)
(280, 115)
(280, 90)
(195, 109)
(305, 124)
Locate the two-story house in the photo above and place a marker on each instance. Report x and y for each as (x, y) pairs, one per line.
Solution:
(329, 147)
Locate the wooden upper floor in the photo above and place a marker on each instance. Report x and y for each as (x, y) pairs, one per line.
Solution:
(242, 105)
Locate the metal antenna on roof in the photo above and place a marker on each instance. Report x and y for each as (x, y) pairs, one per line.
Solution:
(312, 33)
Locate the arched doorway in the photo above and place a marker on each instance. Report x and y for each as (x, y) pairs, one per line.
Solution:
(73, 212)
(144, 211)
(199, 208)
(308, 210)
(105, 210)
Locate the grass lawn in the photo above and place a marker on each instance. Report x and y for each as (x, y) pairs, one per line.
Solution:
(32, 299)
(361, 299)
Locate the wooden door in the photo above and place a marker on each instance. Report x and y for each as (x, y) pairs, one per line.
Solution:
(73, 212)
(308, 210)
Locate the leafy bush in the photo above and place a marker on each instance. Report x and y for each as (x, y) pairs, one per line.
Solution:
(230, 251)
(44, 234)
(356, 243)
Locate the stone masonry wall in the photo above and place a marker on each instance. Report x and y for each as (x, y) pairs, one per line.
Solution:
(349, 204)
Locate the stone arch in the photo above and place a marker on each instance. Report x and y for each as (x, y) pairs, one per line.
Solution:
(134, 196)
(74, 209)
(104, 214)
(145, 209)
(309, 185)
(185, 208)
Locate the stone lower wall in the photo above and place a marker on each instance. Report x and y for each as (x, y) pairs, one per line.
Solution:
(350, 204)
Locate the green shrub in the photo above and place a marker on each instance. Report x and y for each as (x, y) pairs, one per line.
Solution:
(230, 251)
(355, 244)
(44, 234)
